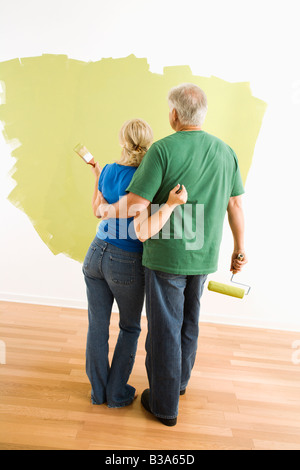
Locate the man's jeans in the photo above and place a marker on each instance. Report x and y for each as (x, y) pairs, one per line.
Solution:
(111, 273)
(173, 308)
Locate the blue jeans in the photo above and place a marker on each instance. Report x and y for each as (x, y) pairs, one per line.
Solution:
(111, 273)
(173, 309)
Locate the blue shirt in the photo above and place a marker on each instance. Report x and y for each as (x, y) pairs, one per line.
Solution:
(114, 180)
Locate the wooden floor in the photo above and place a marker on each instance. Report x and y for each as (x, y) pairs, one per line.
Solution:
(244, 392)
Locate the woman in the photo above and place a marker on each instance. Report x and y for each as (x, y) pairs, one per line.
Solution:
(113, 271)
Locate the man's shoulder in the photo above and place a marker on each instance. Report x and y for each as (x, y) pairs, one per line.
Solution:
(176, 136)
(216, 140)
(220, 145)
(165, 141)
(166, 145)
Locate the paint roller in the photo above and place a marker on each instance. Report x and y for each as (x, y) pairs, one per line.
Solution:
(83, 152)
(230, 290)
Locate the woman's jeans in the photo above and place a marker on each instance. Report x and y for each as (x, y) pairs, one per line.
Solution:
(173, 308)
(111, 273)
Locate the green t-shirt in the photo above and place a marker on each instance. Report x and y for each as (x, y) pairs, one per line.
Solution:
(208, 168)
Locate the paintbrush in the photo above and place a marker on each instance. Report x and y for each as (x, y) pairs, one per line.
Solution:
(83, 152)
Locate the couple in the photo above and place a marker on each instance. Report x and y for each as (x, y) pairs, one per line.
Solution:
(188, 169)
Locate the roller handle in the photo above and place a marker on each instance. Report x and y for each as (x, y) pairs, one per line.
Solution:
(240, 257)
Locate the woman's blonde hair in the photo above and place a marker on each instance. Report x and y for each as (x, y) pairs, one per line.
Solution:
(135, 137)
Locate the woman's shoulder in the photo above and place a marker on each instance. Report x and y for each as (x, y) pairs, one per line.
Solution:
(109, 168)
(119, 166)
(124, 168)
(116, 169)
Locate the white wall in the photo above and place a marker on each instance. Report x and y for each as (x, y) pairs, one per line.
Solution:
(235, 40)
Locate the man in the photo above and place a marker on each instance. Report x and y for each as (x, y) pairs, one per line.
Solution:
(177, 262)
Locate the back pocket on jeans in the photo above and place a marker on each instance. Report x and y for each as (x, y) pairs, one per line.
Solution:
(122, 270)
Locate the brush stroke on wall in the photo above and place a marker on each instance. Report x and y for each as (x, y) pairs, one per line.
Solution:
(51, 102)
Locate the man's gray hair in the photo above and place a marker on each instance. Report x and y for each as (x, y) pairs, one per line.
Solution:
(190, 103)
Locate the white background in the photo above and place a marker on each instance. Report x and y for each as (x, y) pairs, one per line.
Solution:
(236, 40)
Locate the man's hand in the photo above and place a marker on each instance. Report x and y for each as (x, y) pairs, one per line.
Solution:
(236, 263)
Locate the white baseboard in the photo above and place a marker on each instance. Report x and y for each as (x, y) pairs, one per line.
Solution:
(204, 317)
(249, 322)
(49, 301)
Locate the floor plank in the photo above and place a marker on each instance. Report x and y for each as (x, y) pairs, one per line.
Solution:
(244, 392)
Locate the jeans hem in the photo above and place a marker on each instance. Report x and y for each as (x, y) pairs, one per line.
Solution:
(120, 405)
(96, 403)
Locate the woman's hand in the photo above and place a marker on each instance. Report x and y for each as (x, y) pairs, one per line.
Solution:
(96, 170)
(102, 210)
(102, 200)
(177, 196)
(147, 225)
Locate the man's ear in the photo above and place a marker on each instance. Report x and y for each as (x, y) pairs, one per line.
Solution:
(174, 115)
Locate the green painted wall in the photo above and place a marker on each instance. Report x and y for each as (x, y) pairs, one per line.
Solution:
(52, 102)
